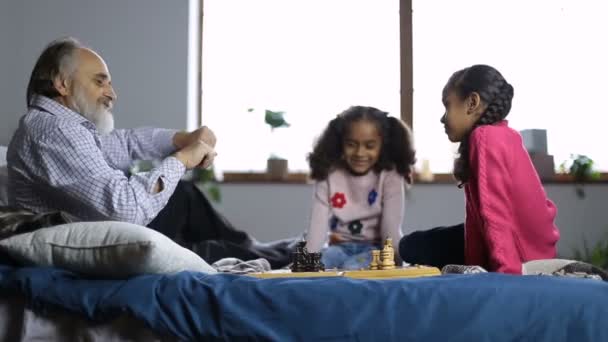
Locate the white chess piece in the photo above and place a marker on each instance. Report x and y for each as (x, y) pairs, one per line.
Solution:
(388, 255)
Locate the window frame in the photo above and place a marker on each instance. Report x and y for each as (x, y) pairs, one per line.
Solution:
(406, 103)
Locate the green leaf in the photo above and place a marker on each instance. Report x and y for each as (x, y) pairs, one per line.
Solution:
(141, 166)
(582, 167)
(203, 175)
(275, 119)
(562, 167)
(214, 193)
(205, 180)
(597, 255)
(250, 110)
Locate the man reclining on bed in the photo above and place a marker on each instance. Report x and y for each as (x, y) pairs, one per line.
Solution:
(66, 156)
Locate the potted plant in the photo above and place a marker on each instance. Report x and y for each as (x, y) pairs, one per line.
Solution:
(276, 166)
(206, 181)
(580, 168)
(596, 255)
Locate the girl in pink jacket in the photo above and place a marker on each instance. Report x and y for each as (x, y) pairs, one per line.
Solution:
(509, 219)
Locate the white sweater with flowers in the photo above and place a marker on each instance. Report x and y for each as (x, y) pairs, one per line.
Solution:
(350, 208)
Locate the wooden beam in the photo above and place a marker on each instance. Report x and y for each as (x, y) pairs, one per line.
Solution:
(200, 63)
(407, 74)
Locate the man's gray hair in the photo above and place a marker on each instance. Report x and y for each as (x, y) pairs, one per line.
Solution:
(58, 58)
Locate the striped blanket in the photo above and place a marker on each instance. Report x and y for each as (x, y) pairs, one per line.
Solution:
(15, 221)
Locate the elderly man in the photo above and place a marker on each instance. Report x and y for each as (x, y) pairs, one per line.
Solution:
(67, 156)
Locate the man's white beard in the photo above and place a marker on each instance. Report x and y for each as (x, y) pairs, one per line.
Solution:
(94, 112)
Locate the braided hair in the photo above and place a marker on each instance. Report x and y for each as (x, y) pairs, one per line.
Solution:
(397, 143)
(495, 93)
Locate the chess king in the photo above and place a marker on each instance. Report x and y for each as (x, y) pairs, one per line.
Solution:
(388, 255)
(385, 259)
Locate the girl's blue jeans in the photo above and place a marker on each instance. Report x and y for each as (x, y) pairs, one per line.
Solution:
(348, 255)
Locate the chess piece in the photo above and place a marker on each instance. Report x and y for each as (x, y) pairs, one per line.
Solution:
(303, 261)
(387, 261)
(309, 265)
(317, 265)
(298, 257)
(375, 264)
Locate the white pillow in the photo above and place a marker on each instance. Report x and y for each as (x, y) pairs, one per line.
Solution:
(104, 249)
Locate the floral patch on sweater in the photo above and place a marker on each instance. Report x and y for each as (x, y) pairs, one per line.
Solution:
(338, 200)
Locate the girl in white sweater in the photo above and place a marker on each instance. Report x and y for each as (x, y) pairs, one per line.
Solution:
(361, 164)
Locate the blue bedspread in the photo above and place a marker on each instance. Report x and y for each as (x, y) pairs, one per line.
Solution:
(192, 306)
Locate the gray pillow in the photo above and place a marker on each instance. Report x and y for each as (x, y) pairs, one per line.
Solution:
(106, 249)
(3, 185)
(3, 155)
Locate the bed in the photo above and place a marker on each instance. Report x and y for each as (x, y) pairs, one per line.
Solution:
(19, 322)
(192, 306)
(45, 303)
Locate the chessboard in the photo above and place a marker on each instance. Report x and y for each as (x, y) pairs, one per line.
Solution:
(382, 266)
(414, 271)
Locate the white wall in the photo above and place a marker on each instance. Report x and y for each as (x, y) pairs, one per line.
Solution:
(272, 212)
(144, 43)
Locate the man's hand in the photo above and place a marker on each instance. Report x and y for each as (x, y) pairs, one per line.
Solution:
(183, 139)
(196, 154)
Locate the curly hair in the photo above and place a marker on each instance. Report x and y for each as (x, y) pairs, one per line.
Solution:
(58, 58)
(397, 150)
(495, 93)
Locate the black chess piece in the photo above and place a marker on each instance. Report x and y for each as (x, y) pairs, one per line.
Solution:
(303, 261)
(309, 262)
(317, 265)
(299, 258)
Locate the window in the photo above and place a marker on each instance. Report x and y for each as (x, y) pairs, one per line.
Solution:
(311, 59)
(314, 58)
(550, 51)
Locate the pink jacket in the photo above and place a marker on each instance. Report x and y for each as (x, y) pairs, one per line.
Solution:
(509, 219)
